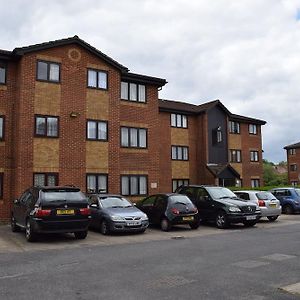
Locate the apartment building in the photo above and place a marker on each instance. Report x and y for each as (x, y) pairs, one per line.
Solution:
(293, 163)
(69, 114)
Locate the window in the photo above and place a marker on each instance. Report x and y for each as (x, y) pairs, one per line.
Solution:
(134, 185)
(234, 127)
(3, 68)
(97, 79)
(1, 127)
(45, 179)
(97, 130)
(255, 183)
(252, 129)
(294, 183)
(180, 153)
(133, 137)
(235, 156)
(293, 167)
(292, 151)
(254, 156)
(46, 126)
(97, 183)
(133, 92)
(217, 137)
(178, 120)
(48, 71)
(179, 182)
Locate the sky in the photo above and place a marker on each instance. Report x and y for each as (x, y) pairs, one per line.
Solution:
(245, 53)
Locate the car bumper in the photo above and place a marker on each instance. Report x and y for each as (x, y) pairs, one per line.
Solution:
(270, 212)
(124, 227)
(238, 218)
(185, 219)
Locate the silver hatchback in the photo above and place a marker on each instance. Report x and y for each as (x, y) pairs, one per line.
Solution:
(269, 205)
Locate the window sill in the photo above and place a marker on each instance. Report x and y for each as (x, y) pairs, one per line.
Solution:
(48, 81)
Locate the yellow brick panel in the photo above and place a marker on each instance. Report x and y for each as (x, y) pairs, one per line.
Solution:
(179, 136)
(45, 154)
(180, 169)
(3, 87)
(97, 104)
(100, 66)
(96, 157)
(135, 124)
(234, 141)
(238, 167)
(49, 58)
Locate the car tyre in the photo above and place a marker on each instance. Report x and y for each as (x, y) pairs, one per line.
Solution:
(195, 225)
(250, 223)
(80, 235)
(13, 224)
(287, 209)
(165, 224)
(221, 220)
(272, 218)
(104, 227)
(29, 233)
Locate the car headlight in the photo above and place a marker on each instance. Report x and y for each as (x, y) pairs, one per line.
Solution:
(144, 217)
(117, 218)
(234, 209)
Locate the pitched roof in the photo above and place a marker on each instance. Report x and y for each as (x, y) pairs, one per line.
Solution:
(217, 169)
(144, 78)
(297, 145)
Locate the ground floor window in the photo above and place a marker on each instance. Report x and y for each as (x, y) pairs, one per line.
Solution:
(45, 179)
(178, 182)
(255, 183)
(134, 185)
(97, 183)
(294, 183)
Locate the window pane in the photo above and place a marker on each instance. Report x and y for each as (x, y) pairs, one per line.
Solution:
(143, 138)
(174, 154)
(92, 130)
(179, 121)
(91, 183)
(142, 93)
(39, 179)
(42, 70)
(52, 127)
(184, 121)
(133, 137)
(40, 126)
(102, 131)
(102, 184)
(173, 120)
(125, 185)
(51, 180)
(133, 91)
(174, 185)
(2, 75)
(124, 138)
(102, 80)
(54, 72)
(185, 153)
(1, 128)
(124, 90)
(133, 185)
(179, 153)
(92, 78)
(143, 185)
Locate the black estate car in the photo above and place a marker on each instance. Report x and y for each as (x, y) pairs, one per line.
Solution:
(169, 209)
(221, 205)
(51, 210)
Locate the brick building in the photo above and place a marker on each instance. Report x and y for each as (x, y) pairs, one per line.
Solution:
(293, 163)
(69, 114)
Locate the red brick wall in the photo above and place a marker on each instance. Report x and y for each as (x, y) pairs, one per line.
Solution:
(293, 176)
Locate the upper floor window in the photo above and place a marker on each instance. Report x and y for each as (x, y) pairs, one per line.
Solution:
(46, 126)
(234, 127)
(133, 137)
(253, 128)
(235, 156)
(134, 185)
(255, 183)
(45, 179)
(48, 71)
(178, 120)
(97, 79)
(3, 68)
(217, 136)
(97, 183)
(97, 130)
(292, 151)
(1, 127)
(293, 167)
(133, 92)
(254, 156)
(180, 153)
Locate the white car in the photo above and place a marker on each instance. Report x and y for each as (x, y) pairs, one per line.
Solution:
(269, 205)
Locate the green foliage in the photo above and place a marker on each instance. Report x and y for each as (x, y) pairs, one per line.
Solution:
(271, 178)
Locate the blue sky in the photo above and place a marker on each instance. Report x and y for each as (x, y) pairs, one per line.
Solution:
(244, 52)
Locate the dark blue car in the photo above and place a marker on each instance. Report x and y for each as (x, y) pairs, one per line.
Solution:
(289, 199)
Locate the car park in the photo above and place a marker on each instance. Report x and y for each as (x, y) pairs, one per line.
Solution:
(289, 199)
(167, 210)
(269, 206)
(51, 210)
(114, 213)
(220, 205)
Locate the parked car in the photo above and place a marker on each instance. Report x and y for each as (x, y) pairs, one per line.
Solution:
(269, 206)
(220, 205)
(51, 210)
(167, 210)
(289, 199)
(115, 213)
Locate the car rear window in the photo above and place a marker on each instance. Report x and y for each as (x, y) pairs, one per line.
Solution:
(263, 196)
(62, 194)
(179, 198)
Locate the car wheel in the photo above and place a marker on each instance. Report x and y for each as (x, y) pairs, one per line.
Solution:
(194, 225)
(288, 209)
(13, 224)
(80, 235)
(104, 228)
(165, 224)
(221, 220)
(249, 223)
(29, 233)
(272, 218)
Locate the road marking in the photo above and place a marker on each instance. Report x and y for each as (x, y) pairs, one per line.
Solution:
(292, 288)
(278, 257)
(250, 264)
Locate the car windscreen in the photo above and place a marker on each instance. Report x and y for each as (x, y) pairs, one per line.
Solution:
(297, 191)
(263, 196)
(62, 194)
(179, 199)
(115, 202)
(221, 192)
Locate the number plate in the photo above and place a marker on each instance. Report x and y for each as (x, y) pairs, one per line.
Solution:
(191, 218)
(137, 223)
(273, 205)
(65, 212)
(251, 218)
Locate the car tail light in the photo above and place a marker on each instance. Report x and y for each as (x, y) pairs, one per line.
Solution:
(175, 211)
(85, 211)
(40, 213)
(261, 203)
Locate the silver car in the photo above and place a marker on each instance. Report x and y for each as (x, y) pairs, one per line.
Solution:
(270, 206)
